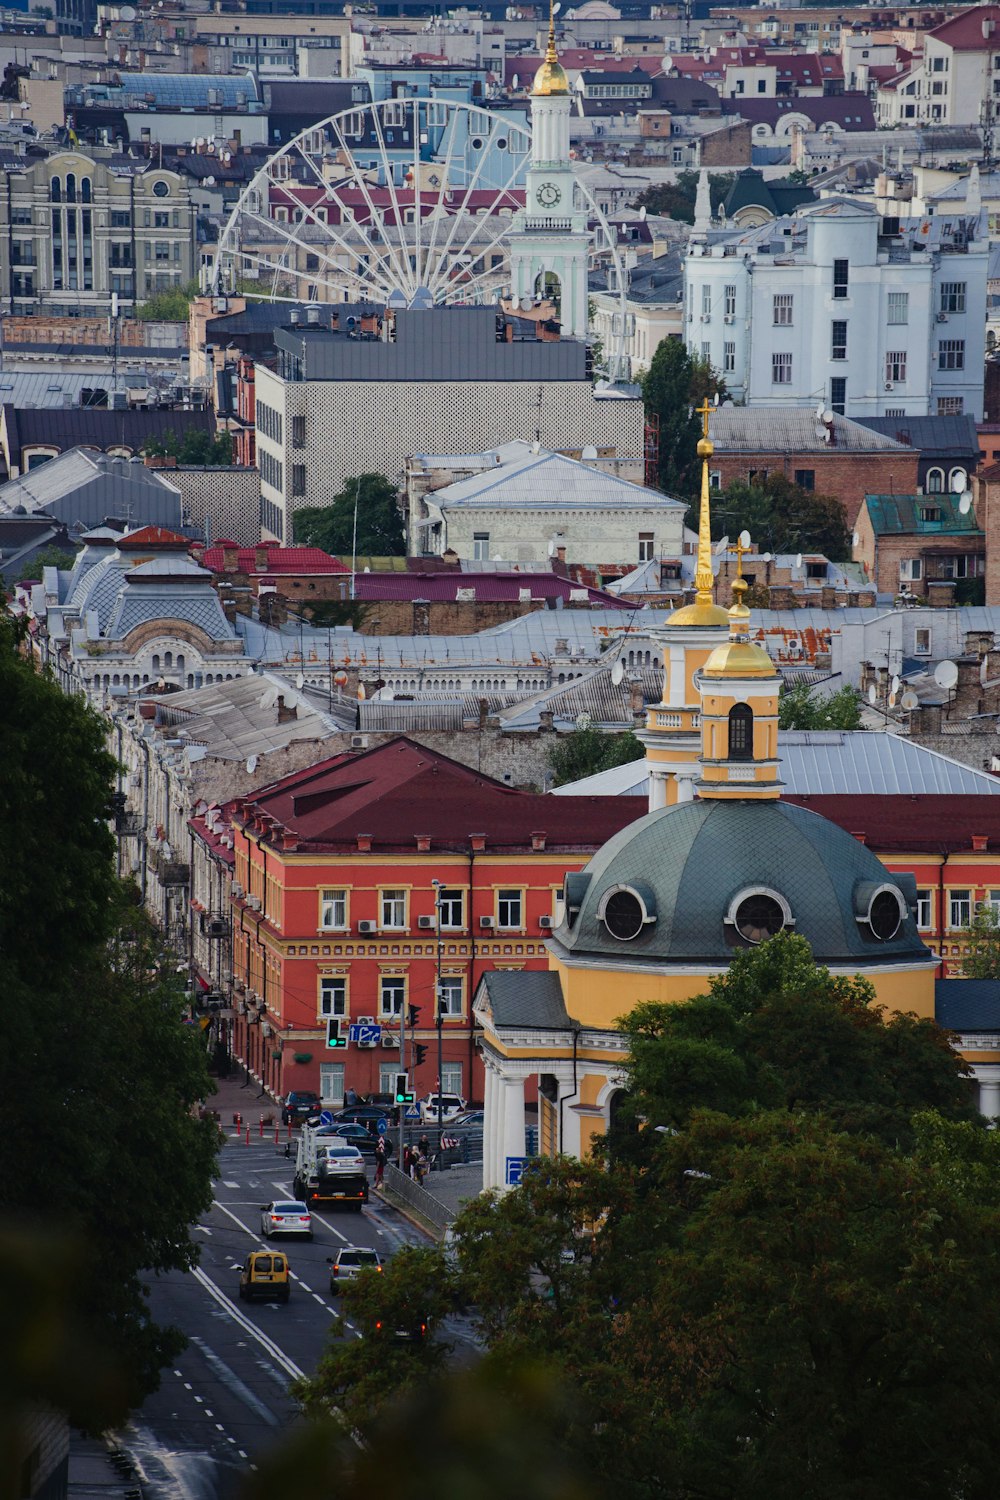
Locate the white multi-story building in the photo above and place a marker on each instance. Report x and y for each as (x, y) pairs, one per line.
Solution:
(957, 80)
(841, 307)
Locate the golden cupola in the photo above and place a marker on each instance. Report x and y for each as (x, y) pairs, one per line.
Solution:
(551, 77)
(704, 610)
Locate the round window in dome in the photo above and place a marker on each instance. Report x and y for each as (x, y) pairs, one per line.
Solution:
(759, 915)
(884, 916)
(161, 189)
(625, 913)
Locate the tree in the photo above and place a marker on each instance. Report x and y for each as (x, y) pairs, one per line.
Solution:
(586, 751)
(677, 199)
(171, 306)
(783, 517)
(195, 446)
(800, 708)
(50, 557)
(379, 525)
(675, 383)
(110, 1165)
(982, 940)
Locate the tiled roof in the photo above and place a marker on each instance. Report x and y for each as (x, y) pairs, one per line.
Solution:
(903, 515)
(489, 587)
(969, 1005)
(279, 560)
(743, 429)
(850, 111)
(945, 823)
(526, 999)
(65, 427)
(402, 789)
(965, 32)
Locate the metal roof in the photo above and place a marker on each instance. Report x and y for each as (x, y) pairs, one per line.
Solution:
(954, 436)
(921, 515)
(237, 719)
(970, 1005)
(549, 481)
(742, 429)
(48, 388)
(830, 762)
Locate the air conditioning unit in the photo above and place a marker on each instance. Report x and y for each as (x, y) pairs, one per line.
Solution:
(545, 922)
(426, 924)
(368, 927)
(888, 385)
(217, 927)
(729, 318)
(359, 742)
(265, 1028)
(241, 1008)
(239, 986)
(942, 317)
(706, 317)
(390, 1039)
(254, 903)
(237, 890)
(487, 922)
(365, 1020)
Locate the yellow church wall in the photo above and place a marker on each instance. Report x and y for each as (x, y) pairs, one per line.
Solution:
(598, 997)
(591, 1086)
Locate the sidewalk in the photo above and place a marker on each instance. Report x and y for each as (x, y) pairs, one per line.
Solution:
(235, 1096)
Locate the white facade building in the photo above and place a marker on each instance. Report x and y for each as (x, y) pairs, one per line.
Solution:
(825, 308)
(956, 82)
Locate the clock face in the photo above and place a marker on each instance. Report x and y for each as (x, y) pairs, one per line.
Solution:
(548, 195)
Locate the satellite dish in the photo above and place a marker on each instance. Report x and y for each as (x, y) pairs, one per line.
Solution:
(525, 304)
(798, 559)
(856, 540)
(764, 556)
(965, 503)
(251, 765)
(513, 83)
(617, 672)
(388, 696)
(300, 680)
(642, 214)
(827, 417)
(872, 692)
(959, 481)
(909, 700)
(127, 13)
(892, 700)
(744, 539)
(557, 8)
(721, 545)
(819, 412)
(984, 670)
(820, 430)
(946, 675)
(362, 695)
(894, 684)
(552, 549)
(497, 557)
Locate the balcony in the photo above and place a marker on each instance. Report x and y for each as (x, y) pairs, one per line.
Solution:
(168, 870)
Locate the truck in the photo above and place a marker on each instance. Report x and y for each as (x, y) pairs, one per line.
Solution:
(329, 1169)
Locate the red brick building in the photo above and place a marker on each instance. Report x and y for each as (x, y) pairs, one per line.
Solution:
(298, 576)
(333, 909)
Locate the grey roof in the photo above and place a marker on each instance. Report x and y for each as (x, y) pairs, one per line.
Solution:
(168, 599)
(48, 388)
(549, 481)
(184, 90)
(236, 719)
(691, 861)
(743, 429)
(830, 762)
(82, 488)
(967, 1004)
(594, 695)
(98, 427)
(525, 998)
(952, 436)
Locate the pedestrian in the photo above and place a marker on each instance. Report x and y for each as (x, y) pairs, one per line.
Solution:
(424, 1146)
(381, 1157)
(409, 1159)
(420, 1165)
(350, 1098)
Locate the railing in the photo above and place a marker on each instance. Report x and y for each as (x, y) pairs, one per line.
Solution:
(417, 1197)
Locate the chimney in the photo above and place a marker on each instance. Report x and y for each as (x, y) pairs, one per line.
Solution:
(545, 720)
(364, 843)
(862, 838)
(287, 713)
(561, 554)
(230, 557)
(477, 842)
(980, 843)
(260, 559)
(538, 840)
(637, 698)
(423, 843)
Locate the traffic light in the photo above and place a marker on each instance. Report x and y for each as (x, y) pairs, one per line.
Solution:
(412, 1015)
(419, 1053)
(333, 1035)
(404, 1094)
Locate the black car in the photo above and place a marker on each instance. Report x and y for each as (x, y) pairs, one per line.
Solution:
(360, 1114)
(300, 1104)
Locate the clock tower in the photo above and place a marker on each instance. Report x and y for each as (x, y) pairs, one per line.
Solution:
(550, 236)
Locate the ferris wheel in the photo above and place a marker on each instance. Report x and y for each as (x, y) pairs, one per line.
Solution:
(401, 202)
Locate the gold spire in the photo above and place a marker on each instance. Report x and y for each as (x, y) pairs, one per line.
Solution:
(703, 611)
(550, 78)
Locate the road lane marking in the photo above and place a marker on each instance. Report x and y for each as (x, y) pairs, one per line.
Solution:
(229, 1378)
(248, 1326)
(230, 1184)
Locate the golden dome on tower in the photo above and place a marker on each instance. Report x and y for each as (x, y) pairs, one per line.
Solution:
(739, 657)
(550, 80)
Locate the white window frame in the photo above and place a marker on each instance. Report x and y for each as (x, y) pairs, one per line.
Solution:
(899, 302)
(731, 301)
(895, 366)
(911, 569)
(925, 909)
(729, 358)
(647, 546)
(781, 369)
(452, 995)
(782, 309)
(506, 898)
(959, 910)
(953, 294)
(332, 997)
(333, 910)
(449, 899)
(480, 546)
(392, 909)
(451, 1078)
(387, 1072)
(394, 983)
(331, 1084)
(922, 640)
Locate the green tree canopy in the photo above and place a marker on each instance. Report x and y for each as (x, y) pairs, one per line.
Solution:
(380, 526)
(673, 386)
(586, 751)
(109, 1164)
(195, 446)
(171, 306)
(677, 199)
(982, 939)
(782, 517)
(800, 708)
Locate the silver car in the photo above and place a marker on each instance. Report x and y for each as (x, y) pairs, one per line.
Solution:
(346, 1264)
(285, 1217)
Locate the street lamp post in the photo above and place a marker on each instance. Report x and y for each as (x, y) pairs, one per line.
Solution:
(439, 1017)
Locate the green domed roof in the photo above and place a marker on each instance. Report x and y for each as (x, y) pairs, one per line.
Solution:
(694, 865)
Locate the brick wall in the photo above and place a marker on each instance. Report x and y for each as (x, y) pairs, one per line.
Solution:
(987, 502)
(847, 476)
(443, 617)
(726, 147)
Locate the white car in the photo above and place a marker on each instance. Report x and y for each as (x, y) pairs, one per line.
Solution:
(451, 1105)
(287, 1217)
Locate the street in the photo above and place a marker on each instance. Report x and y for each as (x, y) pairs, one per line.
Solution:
(226, 1401)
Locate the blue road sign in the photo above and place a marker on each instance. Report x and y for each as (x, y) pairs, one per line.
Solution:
(382, 1126)
(365, 1036)
(412, 1112)
(326, 1117)
(515, 1166)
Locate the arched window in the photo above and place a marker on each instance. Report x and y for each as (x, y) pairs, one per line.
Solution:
(957, 481)
(55, 190)
(70, 187)
(84, 189)
(741, 732)
(935, 481)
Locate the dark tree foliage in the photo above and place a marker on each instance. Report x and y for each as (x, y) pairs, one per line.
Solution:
(677, 199)
(782, 517)
(331, 527)
(673, 386)
(103, 1159)
(586, 751)
(800, 708)
(195, 446)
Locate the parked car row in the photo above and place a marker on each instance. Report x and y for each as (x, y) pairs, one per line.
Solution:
(305, 1104)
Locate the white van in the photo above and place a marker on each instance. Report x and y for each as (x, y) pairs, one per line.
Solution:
(451, 1105)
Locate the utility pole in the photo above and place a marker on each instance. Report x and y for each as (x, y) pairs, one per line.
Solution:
(402, 1069)
(439, 1017)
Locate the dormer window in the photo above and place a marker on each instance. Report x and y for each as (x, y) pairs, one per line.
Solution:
(741, 732)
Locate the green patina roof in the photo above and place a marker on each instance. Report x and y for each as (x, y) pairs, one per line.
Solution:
(694, 858)
(780, 195)
(905, 514)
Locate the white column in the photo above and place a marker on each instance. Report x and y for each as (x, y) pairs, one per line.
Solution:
(657, 790)
(685, 788)
(513, 1121)
(489, 1122)
(989, 1098)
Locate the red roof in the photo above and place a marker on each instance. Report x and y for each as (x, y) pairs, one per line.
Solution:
(929, 823)
(279, 559)
(153, 536)
(493, 588)
(965, 32)
(401, 790)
